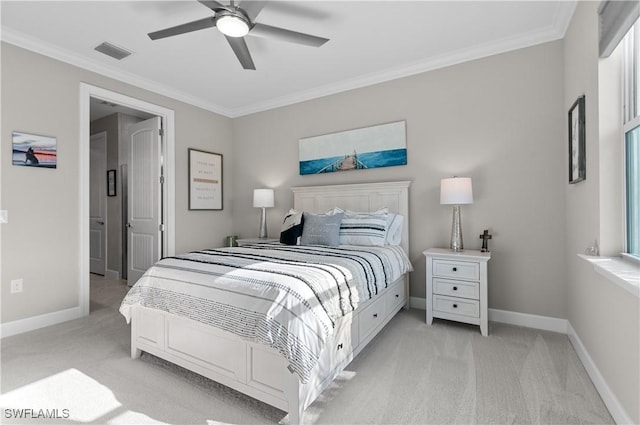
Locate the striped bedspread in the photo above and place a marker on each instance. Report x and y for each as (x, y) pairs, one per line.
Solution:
(287, 297)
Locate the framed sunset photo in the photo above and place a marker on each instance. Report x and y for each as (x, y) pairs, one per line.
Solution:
(34, 151)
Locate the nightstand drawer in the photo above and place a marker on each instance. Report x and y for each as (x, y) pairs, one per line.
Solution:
(460, 306)
(456, 288)
(456, 269)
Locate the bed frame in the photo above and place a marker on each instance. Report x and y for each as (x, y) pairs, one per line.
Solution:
(257, 370)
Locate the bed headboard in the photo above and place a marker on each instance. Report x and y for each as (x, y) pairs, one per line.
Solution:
(357, 197)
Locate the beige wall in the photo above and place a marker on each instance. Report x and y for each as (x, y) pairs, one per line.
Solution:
(498, 120)
(605, 317)
(41, 242)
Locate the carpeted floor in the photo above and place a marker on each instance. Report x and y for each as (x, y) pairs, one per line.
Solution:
(81, 372)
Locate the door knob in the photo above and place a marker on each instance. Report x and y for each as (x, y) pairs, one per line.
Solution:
(129, 225)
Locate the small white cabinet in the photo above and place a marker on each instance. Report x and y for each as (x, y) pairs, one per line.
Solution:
(457, 286)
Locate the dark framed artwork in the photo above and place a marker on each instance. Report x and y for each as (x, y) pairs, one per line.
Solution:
(111, 183)
(577, 157)
(205, 180)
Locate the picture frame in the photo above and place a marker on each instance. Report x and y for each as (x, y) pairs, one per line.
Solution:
(577, 141)
(111, 183)
(382, 145)
(32, 150)
(205, 180)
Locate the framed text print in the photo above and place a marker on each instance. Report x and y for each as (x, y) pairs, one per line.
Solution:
(205, 180)
(577, 159)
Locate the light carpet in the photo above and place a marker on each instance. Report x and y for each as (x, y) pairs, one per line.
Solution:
(81, 372)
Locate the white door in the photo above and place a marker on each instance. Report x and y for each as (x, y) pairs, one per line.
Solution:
(97, 203)
(144, 198)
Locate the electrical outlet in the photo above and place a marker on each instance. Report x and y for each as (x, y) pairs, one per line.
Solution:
(4, 216)
(16, 286)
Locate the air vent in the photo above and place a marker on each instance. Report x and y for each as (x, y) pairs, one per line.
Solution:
(114, 51)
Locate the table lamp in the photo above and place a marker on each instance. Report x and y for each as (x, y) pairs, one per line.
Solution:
(456, 191)
(263, 198)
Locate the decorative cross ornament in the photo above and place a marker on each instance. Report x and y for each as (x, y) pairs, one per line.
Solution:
(485, 236)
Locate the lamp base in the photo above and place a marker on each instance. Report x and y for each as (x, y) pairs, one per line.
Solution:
(263, 224)
(456, 244)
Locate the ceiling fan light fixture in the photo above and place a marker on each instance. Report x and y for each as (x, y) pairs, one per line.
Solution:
(232, 25)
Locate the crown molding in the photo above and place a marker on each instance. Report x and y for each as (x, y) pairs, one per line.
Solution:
(555, 31)
(24, 41)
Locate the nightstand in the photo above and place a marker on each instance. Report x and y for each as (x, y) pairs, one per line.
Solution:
(249, 241)
(457, 286)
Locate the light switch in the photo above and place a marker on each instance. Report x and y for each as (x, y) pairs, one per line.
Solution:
(4, 216)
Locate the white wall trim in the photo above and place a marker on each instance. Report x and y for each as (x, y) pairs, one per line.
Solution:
(555, 31)
(88, 91)
(608, 397)
(419, 303)
(36, 322)
(534, 321)
(42, 47)
(551, 33)
(512, 318)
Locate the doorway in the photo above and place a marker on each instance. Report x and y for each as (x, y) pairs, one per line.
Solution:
(167, 191)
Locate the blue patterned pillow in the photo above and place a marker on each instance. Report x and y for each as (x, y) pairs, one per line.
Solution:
(321, 229)
(369, 229)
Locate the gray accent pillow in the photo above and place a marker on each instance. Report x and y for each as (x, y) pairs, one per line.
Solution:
(321, 229)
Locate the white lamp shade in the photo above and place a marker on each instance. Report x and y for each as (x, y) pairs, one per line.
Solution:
(456, 191)
(263, 198)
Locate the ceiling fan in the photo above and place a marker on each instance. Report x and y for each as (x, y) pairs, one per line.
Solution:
(236, 21)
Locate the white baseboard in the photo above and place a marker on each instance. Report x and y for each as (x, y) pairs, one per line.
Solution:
(419, 303)
(563, 326)
(534, 321)
(112, 274)
(37, 322)
(608, 397)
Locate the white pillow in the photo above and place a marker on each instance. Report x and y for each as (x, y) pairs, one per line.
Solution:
(369, 229)
(395, 223)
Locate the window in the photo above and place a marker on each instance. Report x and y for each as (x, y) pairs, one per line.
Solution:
(631, 128)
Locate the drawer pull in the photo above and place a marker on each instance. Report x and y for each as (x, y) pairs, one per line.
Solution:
(397, 296)
(375, 314)
(455, 288)
(340, 346)
(455, 306)
(455, 269)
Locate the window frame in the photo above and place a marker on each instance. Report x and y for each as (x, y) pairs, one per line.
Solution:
(630, 115)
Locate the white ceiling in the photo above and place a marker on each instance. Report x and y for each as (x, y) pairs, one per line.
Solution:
(370, 42)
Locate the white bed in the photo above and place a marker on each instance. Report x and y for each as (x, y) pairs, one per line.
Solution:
(258, 370)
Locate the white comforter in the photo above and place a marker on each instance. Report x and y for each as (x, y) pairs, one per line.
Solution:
(287, 297)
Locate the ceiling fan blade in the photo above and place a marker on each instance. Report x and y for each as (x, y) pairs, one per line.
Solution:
(200, 24)
(214, 5)
(276, 33)
(241, 50)
(252, 7)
